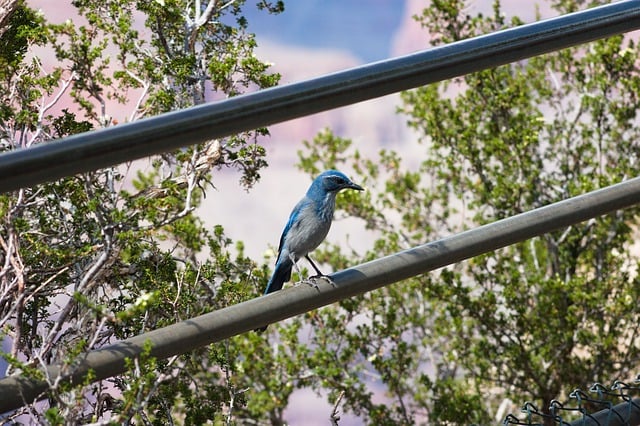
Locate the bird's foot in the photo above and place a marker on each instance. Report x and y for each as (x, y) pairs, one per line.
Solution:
(311, 282)
(327, 278)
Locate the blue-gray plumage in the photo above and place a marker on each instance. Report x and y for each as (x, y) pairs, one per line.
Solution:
(308, 225)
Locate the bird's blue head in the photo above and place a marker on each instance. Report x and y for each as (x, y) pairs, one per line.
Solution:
(333, 181)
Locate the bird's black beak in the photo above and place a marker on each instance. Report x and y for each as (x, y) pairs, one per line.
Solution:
(354, 186)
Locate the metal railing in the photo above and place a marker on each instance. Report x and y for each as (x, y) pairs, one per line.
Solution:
(213, 327)
(626, 413)
(107, 147)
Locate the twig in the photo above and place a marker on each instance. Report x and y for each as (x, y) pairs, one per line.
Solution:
(146, 85)
(334, 417)
(65, 84)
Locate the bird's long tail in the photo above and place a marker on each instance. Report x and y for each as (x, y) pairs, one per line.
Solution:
(281, 275)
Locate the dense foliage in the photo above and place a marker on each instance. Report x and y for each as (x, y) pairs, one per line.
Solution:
(530, 322)
(102, 256)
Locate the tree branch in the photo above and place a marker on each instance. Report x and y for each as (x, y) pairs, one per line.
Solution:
(335, 417)
(7, 9)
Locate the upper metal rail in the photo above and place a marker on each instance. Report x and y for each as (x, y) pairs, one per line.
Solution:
(114, 145)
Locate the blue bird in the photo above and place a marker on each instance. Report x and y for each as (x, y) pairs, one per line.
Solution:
(308, 226)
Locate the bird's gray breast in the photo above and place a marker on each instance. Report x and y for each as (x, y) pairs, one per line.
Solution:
(308, 232)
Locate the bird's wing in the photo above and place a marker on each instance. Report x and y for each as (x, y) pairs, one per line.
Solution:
(293, 219)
